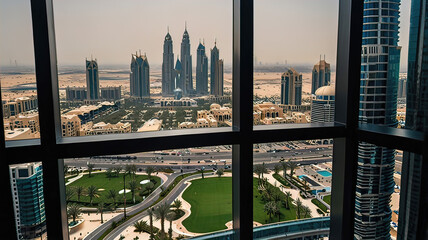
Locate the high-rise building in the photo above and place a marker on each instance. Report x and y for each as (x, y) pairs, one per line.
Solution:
(92, 80)
(140, 76)
(291, 87)
(111, 93)
(416, 119)
(29, 205)
(168, 72)
(322, 109)
(402, 87)
(320, 75)
(380, 62)
(201, 70)
(186, 62)
(76, 93)
(178, 69)
(215, 56)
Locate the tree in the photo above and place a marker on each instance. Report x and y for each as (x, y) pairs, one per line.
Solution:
(149, 171)
(220, 172)
(73, 211)
(133, 186)
(140, 226)
(287, 199)
(92, 192)
(160, 213)
(109, 173)
(299, 208)
(292, 166)
(284, 166)
(270, 208)
(306, 212)
(276, 196)
(79, 192)
(202, 171)
(177, 204)
(276, 168)
(112, 194)
(118, 169)
(100, 209)
(257, 169)
(150, 212)
(263, 169)
(69, 193)
(91, 167)
(170, 217)
(130, 170)
(149, 187)
(66, 169)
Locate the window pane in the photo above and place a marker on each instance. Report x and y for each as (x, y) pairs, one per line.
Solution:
(28, 201)
(121, 72)
(294, 64)
(202, 202)
(292, 188)
(17, 76)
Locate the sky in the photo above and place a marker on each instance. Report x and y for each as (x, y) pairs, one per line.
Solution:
(291, 31)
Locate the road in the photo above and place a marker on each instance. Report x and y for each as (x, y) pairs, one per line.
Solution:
(132, 210)
(168, 199)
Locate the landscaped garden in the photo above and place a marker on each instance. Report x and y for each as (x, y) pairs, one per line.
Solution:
(327, 199)
(105, 187)
(211, 204)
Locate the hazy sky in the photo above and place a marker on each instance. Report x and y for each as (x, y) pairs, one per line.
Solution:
(296, 31)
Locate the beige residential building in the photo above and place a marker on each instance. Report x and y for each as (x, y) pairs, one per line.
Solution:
(20, 134)
(70, 125)
(19, 105)
(102, 128)
(30, 120)
(153, 124)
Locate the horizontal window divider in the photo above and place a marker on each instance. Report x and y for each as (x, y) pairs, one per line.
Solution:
(23, 143)
(397, 138)
(292, 132)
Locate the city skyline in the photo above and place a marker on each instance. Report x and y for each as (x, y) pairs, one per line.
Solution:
(113, 49)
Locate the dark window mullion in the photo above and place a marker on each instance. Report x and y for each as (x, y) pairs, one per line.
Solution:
(346, 112)
(422, 221)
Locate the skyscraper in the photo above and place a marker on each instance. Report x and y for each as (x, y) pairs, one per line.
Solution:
(168, 73)
(322, 109)
(402, 84)
(320, 75)
(186, 62)
(215, 56)
(92, 80)
(416, 119)
(29, 205)
(291, 87)
(140, 76)
(380, 61)
(201, 70)
(178, 69)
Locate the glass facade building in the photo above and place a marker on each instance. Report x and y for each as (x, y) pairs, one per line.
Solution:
(380, 60)
(140, 76)
(92, 80)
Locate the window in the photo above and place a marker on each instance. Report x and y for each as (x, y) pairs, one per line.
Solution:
(348, 133)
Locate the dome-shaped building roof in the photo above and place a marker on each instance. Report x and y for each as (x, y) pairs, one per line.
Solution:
(325, 91)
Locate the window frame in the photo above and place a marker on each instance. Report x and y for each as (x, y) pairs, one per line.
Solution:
(51, 148)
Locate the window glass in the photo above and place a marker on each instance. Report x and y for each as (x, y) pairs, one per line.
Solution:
(141, 66)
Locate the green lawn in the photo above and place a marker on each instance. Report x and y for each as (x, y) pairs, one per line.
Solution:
(211, 205)
(319, 204)
(327, 199)
(100, 181)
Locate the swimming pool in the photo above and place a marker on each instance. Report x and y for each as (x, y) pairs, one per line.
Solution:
(324, 173)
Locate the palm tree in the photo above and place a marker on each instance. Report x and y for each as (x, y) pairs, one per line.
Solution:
(284, 166)
(220, 172)
(298, 208)
(270, 208)
(170, 217)
(90, 168)
(202, 171)
(69, 193)
(276, 196)
(92, 192)
(257, 169)
(287, 199)
(73, 211)
(149, 187)
(112, 194)
(263, 169)
(160, 213)
(140, 226)
(66, 169)
(276, 168)
(128, 170)
(109, 173)
(118, 169)
(149, 171)
(79, 192)
(292, 166)
(100, 210)
(133, 186)
(177, 204)
(306, 212)
(150, 212)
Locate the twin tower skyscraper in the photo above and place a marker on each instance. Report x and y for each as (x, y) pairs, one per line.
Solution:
(179, 77)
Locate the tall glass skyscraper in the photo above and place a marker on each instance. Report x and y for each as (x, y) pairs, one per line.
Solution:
(215, 56)
(201, 70)
(291, 87)
(92, 80)
(186, 62)
(29, 205)
(168, 73)
(320, 75)
(380, 61)
(416, 119)
(140, 76)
